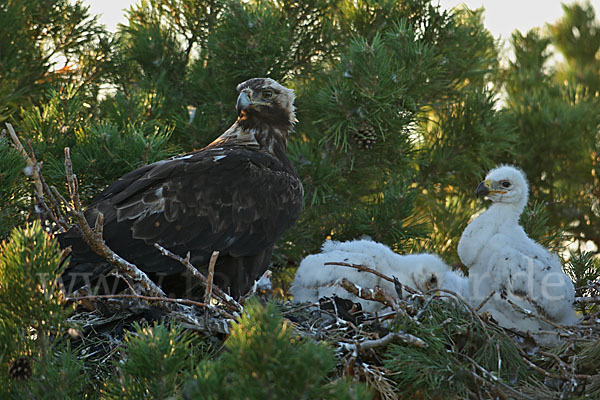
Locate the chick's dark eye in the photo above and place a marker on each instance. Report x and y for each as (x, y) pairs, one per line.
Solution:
(505, 184)
(267, 94)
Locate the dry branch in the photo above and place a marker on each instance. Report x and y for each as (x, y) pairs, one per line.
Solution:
(35, 171)
(406, 338)
(587, 300)
(489, 296)
(375, 294)
(211, 275)
(369, 270)
(96, 243)
(224, 297)
(531, 314)
(187, 302)
(41, 187)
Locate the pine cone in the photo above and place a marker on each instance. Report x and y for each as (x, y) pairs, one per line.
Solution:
(365, 136)
(20, 369)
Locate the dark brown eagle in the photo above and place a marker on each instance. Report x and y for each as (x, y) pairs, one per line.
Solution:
(237, 195)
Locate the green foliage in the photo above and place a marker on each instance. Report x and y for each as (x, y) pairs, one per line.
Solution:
(53, 125)
(584, 268)
(276, 39)
(33, 37)
(31, 303)
(457, 341)
(402, 109)
(12, 186)
(554, 121)
(111, 152)
(265, 360)
(577, 37)
(535, 220)
(152, 364)
(401, 123)
(58, 375)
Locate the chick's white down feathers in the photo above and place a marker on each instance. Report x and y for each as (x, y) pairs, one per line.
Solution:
(315, 280)
(527, 279)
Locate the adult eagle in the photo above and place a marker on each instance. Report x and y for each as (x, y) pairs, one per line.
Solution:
(237, 195)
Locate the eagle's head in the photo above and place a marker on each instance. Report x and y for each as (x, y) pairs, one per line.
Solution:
(263, 103)
(505, 184)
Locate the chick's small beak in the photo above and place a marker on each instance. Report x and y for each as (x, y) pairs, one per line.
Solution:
(483, 189)
(243, 101)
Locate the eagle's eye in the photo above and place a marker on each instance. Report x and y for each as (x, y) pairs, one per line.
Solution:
(267, 94)
(505, 184)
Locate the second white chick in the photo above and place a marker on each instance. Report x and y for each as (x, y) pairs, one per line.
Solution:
(315, 280)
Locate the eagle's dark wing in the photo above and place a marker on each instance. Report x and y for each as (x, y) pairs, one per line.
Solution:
(237, 195)
(231, 199)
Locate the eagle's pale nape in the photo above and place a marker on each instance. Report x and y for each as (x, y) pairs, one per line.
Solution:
(237, 195)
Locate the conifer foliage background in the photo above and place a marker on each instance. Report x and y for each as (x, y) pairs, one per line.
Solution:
(402, 108)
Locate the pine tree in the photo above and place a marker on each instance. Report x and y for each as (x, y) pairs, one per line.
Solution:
(153, 363)
(32, 314)
(556, 119)
(402, 108)
(577, 37)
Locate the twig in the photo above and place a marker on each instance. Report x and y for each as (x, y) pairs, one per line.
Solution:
(99, 224)
(224, 297)
(556, 358)
(587, 300)
(50, 212)
(210, 277)
(56, 206)
(118, 275)
(530, 313)
(95, 241)
(403, 337)
(495, 379)
(436, 292)
(41, 187)
(375, 294)
(153, 298)
(550, 374)
(203, 324)
(489, 296)
(30, 163)
(370, 270)
(62, 199)
(72, 181)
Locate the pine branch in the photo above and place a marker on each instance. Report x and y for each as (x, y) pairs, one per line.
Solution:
(495, 380)
(94, 239)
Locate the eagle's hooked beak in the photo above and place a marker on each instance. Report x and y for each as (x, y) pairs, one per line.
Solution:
(243, 101)
(483, 189)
